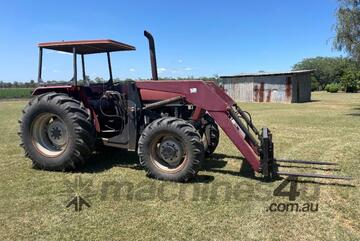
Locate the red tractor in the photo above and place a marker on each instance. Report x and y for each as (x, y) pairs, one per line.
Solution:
(171, 124)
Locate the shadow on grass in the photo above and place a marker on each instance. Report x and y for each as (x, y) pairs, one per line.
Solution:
(326, 183)
(356, 113)
(216, 161)
(311, 167)
(108, 157)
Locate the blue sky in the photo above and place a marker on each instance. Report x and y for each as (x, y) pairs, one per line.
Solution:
(193, 38)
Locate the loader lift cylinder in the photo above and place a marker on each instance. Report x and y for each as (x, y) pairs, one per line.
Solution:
(243, 128)
(247, 119)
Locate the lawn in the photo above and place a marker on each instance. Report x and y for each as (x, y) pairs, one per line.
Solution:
(220, 204)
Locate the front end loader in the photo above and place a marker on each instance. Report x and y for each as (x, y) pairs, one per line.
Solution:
(172, 125)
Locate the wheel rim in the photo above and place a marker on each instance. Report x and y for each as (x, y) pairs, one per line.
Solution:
(49, 134)
(168, 152)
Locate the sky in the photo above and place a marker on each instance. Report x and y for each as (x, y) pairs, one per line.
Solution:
(193, 38)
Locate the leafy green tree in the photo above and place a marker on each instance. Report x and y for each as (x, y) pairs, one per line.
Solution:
(32, 83)
(326, 69)
(315, 85)
(348, 28)
(350, 81)
(333, 87)
(99, 80)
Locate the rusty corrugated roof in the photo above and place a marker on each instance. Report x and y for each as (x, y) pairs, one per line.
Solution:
(87, 46)
(268, 73)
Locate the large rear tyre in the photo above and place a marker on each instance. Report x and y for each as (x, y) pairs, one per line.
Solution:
(56, 132)
(210, 135)
(171, 149)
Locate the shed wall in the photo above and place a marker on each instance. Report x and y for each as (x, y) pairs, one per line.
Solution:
(285, 88)
(272, 88)
(240, 89)
(303, 82)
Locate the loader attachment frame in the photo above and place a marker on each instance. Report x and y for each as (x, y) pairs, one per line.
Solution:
(232, 120)
(256, 146)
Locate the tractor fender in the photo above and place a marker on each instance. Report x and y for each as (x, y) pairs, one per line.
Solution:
(71, 91)
(66, 89)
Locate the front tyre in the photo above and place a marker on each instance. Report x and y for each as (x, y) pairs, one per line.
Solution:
(171, 149)
(56, 132)
(210, 135)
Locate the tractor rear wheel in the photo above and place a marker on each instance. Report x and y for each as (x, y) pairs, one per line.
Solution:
(56, 132)
(171, 149)
(210, 135)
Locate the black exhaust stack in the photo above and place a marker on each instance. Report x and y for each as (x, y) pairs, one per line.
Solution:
(152, 55)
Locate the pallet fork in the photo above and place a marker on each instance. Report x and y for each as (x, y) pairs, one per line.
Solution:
(270, 165)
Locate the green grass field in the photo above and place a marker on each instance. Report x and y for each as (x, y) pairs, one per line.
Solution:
(14, 93)
(33, 202)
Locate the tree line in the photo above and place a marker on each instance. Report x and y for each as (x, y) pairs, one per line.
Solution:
(34, 84)
(332, 73)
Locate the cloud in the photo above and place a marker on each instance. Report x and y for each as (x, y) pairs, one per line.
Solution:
(161, 70)
(187, 69)
(180, 61)
(56, 71)
(132, 70)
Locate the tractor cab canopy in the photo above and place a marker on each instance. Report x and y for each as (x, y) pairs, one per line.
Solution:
(87, 46)
(82, 48)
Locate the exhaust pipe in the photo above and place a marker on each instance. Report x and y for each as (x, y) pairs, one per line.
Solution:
(152, 55)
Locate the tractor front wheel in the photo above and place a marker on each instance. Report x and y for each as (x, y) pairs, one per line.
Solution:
(210, 135)
(171, 149)
(56, 132)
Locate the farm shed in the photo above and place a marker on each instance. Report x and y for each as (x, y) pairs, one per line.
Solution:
(287, 87)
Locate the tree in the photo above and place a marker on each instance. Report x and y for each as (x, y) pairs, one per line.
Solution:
(337, 70)
(350, 80)
(32, 83)
(326, 69)
(99, 80)
(348, 28)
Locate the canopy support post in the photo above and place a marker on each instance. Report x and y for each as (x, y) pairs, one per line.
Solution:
(75, 66)
(110, 70)
(83, 67)
(40, 64)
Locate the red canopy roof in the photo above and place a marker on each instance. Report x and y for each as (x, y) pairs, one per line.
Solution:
(87, 46)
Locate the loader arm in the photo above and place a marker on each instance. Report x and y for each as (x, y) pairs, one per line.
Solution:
(256, 146)
(208, 96)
